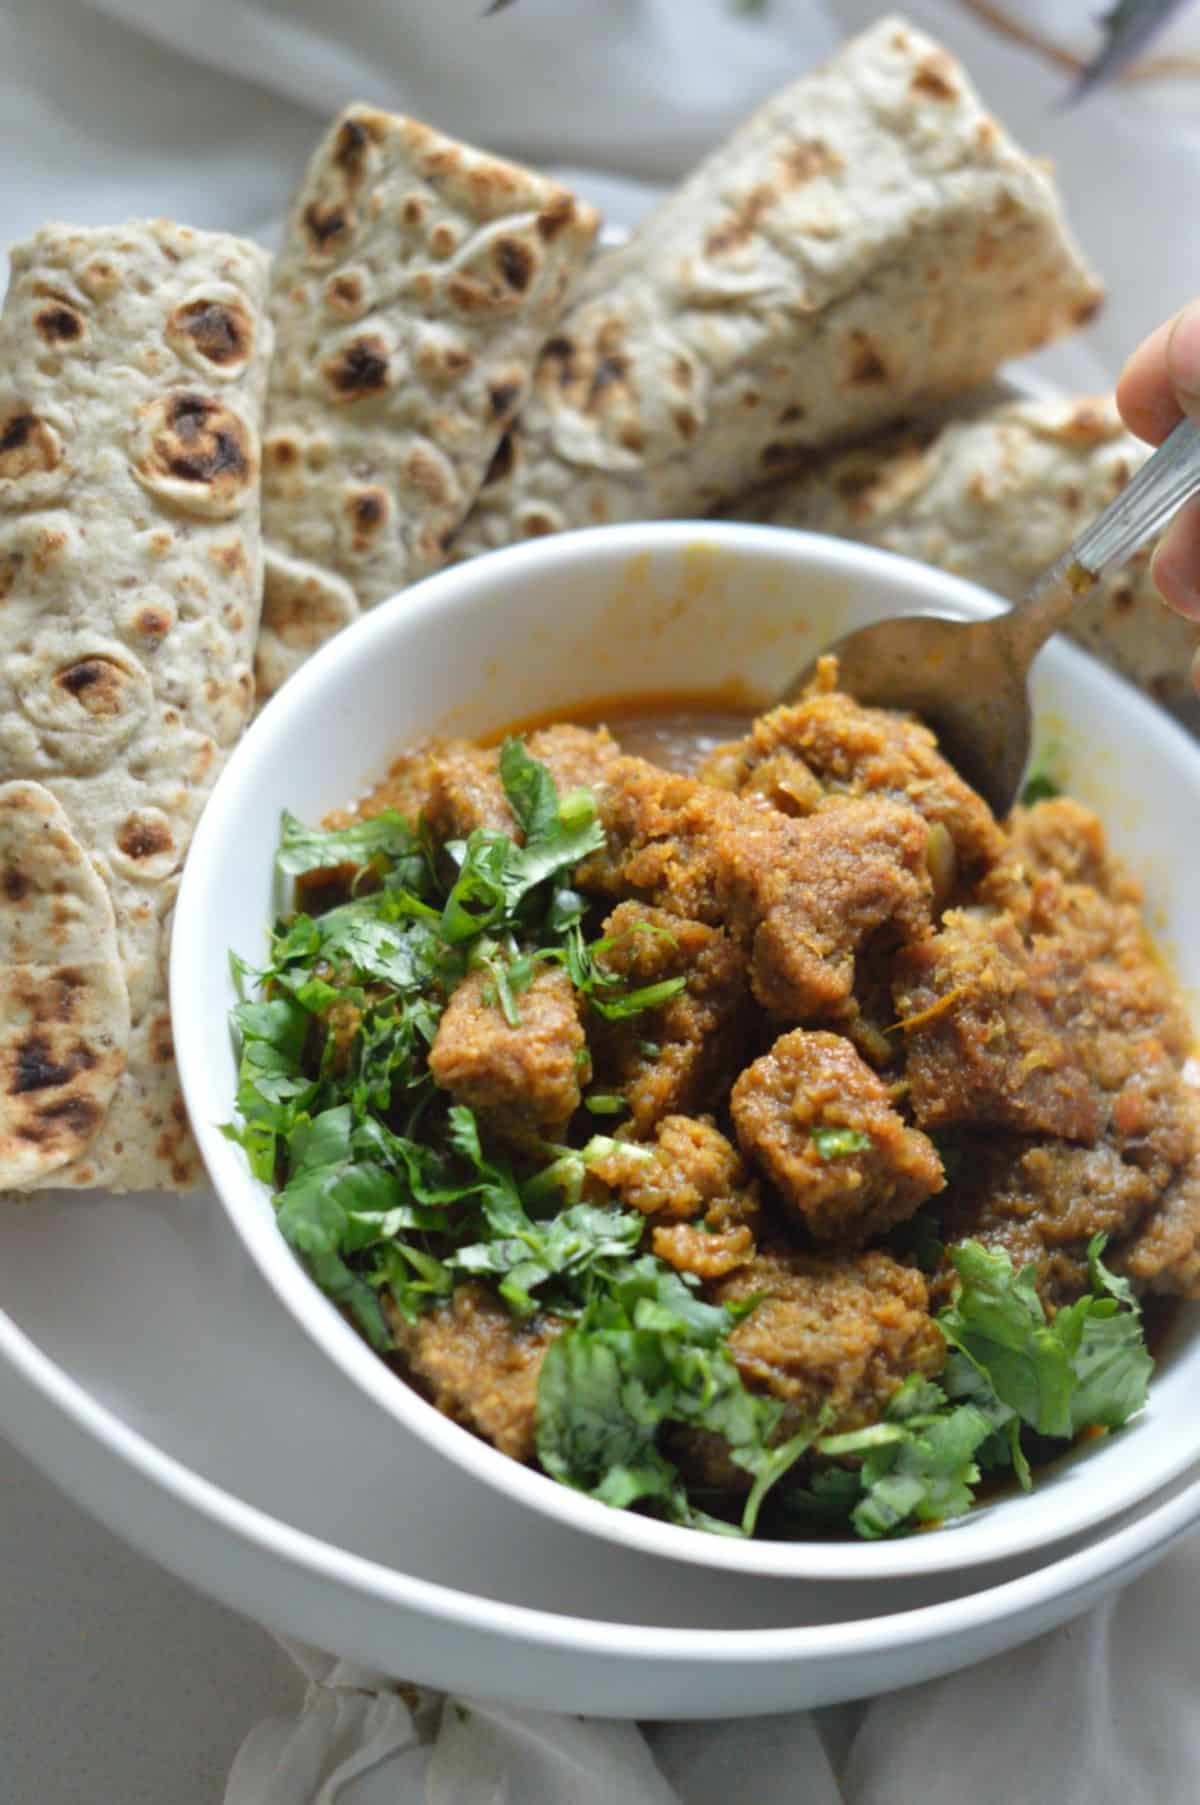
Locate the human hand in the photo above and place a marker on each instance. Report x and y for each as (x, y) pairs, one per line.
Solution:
(1159, 386)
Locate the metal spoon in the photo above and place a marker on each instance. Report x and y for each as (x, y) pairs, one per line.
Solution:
(967, 679)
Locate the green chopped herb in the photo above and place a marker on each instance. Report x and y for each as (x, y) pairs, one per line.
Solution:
(1009, 1369)
(1042, 779)
(605, 1103)
(840, 1143)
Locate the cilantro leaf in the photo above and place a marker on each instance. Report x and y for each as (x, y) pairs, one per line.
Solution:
(647, 1353)
(566, 1247)
(1041, 781)
(1088, 1367)
(530, 790)
(997, 1322)
(384, 839)
(604, 989)
(840, 1143)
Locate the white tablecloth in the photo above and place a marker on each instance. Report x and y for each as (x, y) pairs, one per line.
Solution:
(117, 1683)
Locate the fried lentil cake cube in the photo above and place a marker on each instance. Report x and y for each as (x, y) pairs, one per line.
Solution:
(523, 1081)
(679, 1058)
(817, 1122)
(691, 1184)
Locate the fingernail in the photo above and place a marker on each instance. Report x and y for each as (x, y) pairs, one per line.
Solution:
(1183, 353)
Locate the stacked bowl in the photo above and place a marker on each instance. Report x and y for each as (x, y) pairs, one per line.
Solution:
(176, 1368)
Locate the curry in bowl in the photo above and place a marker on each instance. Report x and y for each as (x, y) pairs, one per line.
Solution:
(779, 1145)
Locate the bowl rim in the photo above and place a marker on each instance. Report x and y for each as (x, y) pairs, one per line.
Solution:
(459, 589)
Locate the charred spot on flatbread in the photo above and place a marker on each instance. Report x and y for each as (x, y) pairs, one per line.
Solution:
(863, 362)
(197, 452)
(503, 398)
(220, 333)
(356, 134)
(327, 227)
(29, 446)
(36, 1066)
(345, 294)
(429, 476)
(99, 685)
(59, 324)
(367, 511)
(360, 369)
(934, 77)
(145, 836)
(516, 262)
(556, 217)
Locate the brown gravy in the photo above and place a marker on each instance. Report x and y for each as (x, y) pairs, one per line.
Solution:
(674, 729)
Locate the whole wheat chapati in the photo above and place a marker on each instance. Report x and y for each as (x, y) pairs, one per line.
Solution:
(417, 283)
(869, 241)
(132, 371)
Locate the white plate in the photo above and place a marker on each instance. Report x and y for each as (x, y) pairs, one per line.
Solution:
(146, 1368)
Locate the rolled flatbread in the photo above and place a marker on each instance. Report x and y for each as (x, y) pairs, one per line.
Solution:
(132, 373)
(998, 498)
(869, 241)
(417, 283)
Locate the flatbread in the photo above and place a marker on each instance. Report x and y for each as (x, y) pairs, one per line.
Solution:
(63, 1001)
(132, 373)
(418, 281)
(868, 242)
(998, 498)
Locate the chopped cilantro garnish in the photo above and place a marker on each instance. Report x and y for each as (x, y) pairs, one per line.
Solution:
(1009, 1369)
(1041, 780)
(647, 1353)
(840, 1143)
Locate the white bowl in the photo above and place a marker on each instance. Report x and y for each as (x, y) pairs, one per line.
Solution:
(618, 612)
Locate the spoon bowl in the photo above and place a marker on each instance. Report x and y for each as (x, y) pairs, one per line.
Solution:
(961, 678)
(969, 679)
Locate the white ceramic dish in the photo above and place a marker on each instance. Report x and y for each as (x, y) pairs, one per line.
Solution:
(408, 1626)
(617, 612)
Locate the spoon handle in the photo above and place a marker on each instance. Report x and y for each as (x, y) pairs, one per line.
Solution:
(1162, 485)
(1159, 490)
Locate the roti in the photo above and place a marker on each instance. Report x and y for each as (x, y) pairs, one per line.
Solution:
(417, 283)
(871, 241)
(132, 373)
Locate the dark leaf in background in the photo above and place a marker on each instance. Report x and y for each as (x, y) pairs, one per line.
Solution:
(1128, 28)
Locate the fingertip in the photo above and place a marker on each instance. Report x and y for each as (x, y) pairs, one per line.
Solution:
(1175, 567)
(1183, 357)
(1145, 397)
